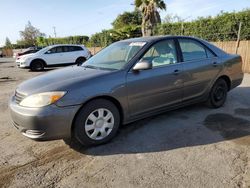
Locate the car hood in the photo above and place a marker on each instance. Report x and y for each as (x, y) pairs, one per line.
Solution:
(26, 56)
(58, 80)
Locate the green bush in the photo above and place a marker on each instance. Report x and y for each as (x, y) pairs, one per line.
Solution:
(223, 27)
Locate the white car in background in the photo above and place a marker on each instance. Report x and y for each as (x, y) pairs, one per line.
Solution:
(54, 55)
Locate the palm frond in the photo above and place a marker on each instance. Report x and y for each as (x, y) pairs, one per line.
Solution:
(138, 3)
(160, 4)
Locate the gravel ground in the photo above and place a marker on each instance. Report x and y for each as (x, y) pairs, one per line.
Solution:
(190, 147)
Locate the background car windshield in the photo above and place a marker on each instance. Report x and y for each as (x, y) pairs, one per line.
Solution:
(115, 56)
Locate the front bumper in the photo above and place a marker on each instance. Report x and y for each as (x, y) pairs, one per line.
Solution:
(46, 123)
(21, 64)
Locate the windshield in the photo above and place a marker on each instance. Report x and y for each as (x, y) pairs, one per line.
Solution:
(115, 56)
(43, 50)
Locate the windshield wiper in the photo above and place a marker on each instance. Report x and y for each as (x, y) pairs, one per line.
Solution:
(99, 68)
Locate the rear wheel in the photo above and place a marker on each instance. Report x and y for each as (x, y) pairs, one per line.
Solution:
(80, 60)
(96, 123)
(218, 94)
(37, 65)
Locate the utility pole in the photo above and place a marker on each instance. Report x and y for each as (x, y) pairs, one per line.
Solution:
(54, 28)
(238, 38)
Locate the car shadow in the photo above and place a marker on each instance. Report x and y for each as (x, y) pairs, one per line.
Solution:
(45, 69)
(190, 126)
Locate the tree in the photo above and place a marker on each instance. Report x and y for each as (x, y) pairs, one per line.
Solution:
(223, 27)
(126, 25)
(150, 14)
(172, 18)
(127, 18)
(7, 43)
(30, 34)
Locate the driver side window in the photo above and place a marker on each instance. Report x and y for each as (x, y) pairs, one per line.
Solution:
(58, 49)
(162, 53)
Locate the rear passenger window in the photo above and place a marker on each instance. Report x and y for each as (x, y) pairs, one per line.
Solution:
(74, 48)
(192, 50)
(77, 48)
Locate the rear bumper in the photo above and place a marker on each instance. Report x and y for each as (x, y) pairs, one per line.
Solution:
(236, 80)
(46, 123)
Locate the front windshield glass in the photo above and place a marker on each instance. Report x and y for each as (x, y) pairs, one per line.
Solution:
(115, 56)
(43, 50)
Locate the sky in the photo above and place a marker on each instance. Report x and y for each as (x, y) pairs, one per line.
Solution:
(79, 17)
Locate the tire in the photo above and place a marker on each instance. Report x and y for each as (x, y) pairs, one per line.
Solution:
(96, 123)
(218, 94)
(80, 60)
(37, 65)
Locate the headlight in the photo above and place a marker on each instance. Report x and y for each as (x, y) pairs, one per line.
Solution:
(42, 99)
(24, 58)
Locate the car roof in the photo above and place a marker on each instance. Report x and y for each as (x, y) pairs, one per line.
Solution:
(55, 45)
(152, 39)
(156, 38)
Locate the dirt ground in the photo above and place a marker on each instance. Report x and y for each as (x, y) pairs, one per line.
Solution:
(190, 147)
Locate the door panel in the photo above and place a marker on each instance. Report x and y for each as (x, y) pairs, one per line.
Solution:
(198, 76)
(155, 88)
(160, 86)
(72, 53)
(55, 56)
(200, 68)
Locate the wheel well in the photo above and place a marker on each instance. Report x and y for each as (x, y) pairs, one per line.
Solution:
(111, 99)
(81, 57)
(227, 79)
(44, 63)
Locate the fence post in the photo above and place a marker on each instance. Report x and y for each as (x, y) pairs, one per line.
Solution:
(238, 39)
(182, 28)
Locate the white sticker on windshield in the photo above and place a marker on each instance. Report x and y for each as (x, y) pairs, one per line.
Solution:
(137, 43)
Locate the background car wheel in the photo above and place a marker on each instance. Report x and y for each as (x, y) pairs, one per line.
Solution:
(80, 60)
(37, 65)
(96, 123)
(218, 94)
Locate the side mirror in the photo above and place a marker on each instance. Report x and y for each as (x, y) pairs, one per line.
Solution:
(48, 52)
(143, 65)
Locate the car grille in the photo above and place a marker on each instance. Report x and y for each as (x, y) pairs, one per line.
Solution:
(19, 97)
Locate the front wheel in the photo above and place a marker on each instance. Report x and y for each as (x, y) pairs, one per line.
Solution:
(96, 123)
(218, 94)
(37, 65)
(80, 60)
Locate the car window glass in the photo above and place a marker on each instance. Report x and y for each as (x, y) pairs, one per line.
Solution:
(77, 48)
(66, 48)
(52, 50)
(192, 50)
(120, 55)
(161, 53)
(59, 49)
(115, 56)
(209, 54)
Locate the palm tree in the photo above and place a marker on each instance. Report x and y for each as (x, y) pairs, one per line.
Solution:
(151, 16)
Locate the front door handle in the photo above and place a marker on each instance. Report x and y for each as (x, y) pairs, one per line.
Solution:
(176, 72)
(215, 64)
